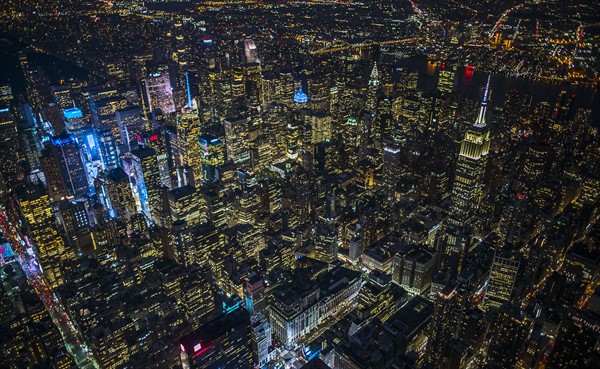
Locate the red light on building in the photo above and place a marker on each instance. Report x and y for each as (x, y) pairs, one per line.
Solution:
(153, 138)
(469, 71)
(201, 350)
(139, 138)
(521, 196)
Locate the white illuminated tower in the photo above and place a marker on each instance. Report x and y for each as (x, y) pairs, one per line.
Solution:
(374, 83)
(189, 131)
(467, 191)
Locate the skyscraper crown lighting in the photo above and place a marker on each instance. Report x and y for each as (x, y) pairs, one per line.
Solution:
(480, 122)
(300, 97)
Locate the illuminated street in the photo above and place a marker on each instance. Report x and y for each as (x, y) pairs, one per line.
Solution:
(26, 256)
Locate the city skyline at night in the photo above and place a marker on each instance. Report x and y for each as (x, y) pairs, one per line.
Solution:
(408, 184)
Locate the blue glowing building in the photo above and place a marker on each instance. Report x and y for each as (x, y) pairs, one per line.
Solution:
(108, 149)
(212, 157)
(300, 97)
(72, 113)
(141, 166)
(74, 122)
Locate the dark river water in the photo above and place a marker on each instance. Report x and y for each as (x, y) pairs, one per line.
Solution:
(471, 84)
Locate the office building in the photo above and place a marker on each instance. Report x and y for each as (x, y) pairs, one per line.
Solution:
(503, 274)
(142, 166)
(413, 270)
(65, 169)
(212, 156)
(296, 309)
(159, 93)
(223, 342)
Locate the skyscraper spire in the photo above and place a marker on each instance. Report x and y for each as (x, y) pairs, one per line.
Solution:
(480, 122)
(189, 92)
(374, 78)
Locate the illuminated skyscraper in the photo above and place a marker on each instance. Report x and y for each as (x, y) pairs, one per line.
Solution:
(300, 97)
(250, 52)
(188, 131)
(35, 205)
(467, 191)
(74, 122)
(320, 124)
(65, 169)
(213, 156)
(502, 279)
(446, 79)
(185, 204)
(159, 93)
(109, 153)
(120, 197)
(9, 144)
(372, 90)
(142, 166)
(237, 138)
(446, 319)
(392, 166)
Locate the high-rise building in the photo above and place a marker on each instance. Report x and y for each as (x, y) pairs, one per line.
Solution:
(261, 339)
(392, 165)
(212, 154)
(511, 221)
(446, 319)
(159, 93)
(185, 204)
(250, 52)
(509, 333)
(413, 270)
(320, 124)
(65, 170)
(467, 190)
(142, 166)
(36, 208)
(446, 79)
(9, 143)
(182, 242)
(325, 242)
(503, 275)
(577, 341)
(131, 126)
(74, 219)
(109, 153)
(237, 136)
(188, 132)
(75, 122)
(373, 89)
(118, 192)
(223, 342)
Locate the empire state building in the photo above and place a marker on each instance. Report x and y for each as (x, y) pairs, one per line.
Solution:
(467, 191)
